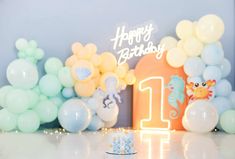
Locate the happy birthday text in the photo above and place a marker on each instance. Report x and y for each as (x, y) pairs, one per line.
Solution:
(137, 42)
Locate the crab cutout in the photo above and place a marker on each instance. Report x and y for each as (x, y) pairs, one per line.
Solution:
(203, 90)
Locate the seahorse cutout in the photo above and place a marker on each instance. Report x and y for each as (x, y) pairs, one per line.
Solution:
(176, 86)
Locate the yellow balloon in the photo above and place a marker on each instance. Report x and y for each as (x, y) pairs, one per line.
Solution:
(96, 72)
(180, 44)
(122, 84)
(82, 64)
(194, 28)
(192, 46)
(184, 29)
(176, 57)
(96, 81)
(121, 70)
(76, 47)
(106, 76)
(210, 28)
(169, 42)
(71, 60)
(85, 89)
(130, 78)
(108, 62)
(96, 60)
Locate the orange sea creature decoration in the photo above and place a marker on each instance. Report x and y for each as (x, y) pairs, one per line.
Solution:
(203, 90)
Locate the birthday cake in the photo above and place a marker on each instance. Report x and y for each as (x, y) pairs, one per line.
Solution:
(122, 143)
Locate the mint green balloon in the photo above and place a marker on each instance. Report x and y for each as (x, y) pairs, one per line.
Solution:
(47, 111)
(65, 77)
(53, 65)
(50, 85)
(30, 51)
(43, 97)
(17, 101)
(227, 121)
(3, 92)
(21, 55)
(39, 54)
(37, 90)
(22, 74)
(33, 98)
(33, 44)
(21, 44)
(28, 122)
(8, 121)
(58, 100)
(31, 59)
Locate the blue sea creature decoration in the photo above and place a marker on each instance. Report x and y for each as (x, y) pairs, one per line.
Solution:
(176, 87)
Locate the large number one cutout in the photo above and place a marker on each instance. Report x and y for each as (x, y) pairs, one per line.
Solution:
(152, 94)
(154, 85)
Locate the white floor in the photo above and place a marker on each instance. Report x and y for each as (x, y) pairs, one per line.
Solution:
(90, 145)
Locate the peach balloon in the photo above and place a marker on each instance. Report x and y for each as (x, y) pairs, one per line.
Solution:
(76, 47)
(96, 60)
(85, 89)
(71, 60)
(91, 48)
(108, 62)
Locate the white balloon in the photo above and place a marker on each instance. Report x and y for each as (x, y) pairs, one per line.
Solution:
(201, 116)
(22, 74)
(210, 28)
(176, 57)
(109, 124)
(108, 111)
(168, 42)
(185, 123)
(184, 29)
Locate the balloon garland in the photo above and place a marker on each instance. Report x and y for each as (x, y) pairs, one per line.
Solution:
(201, 55)
(83, 92)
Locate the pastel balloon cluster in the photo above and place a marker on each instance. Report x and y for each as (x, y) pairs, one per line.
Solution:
(24, 108)
(91, 70)
(92, 113)
(201, 55)
(29, 50)
(97, 81)
(81, 94)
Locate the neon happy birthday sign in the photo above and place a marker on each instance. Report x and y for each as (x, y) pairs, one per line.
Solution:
(135, 40)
